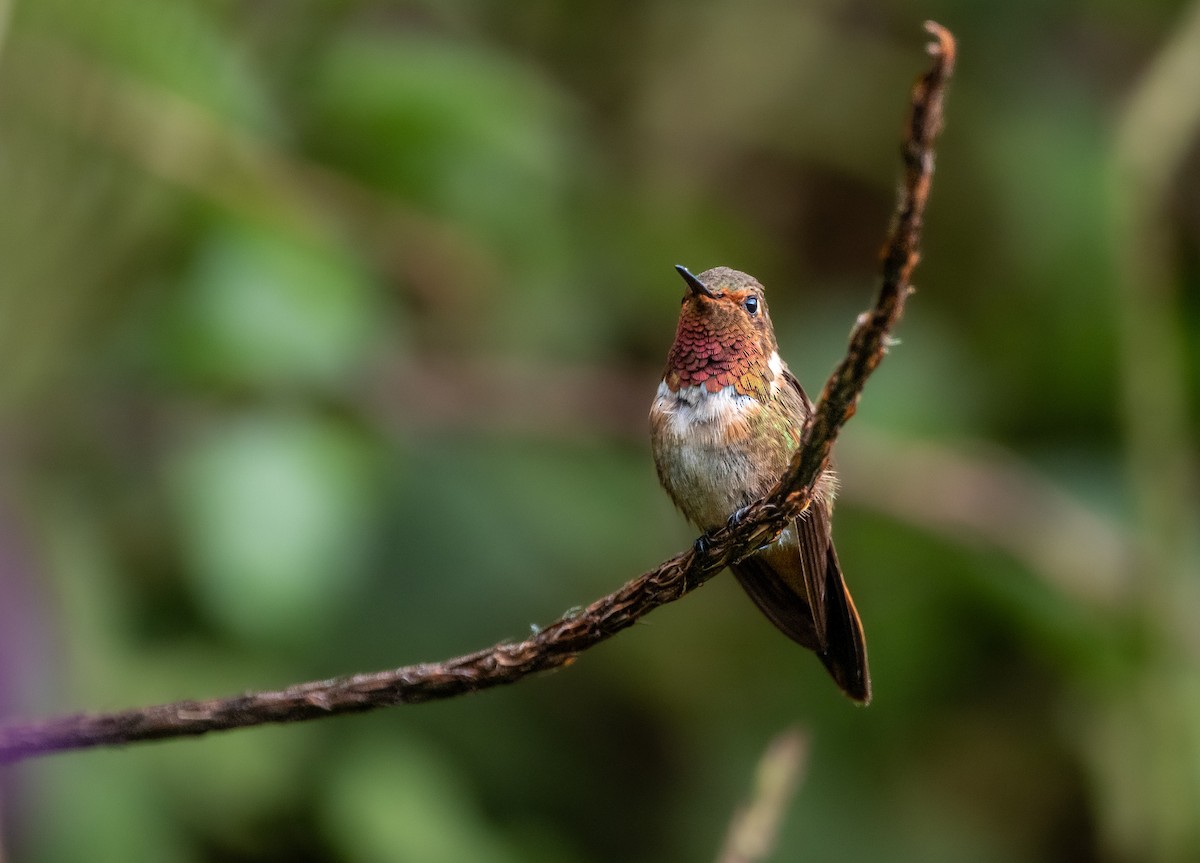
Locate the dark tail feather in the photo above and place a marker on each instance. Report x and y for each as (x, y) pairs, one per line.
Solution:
(844, 652)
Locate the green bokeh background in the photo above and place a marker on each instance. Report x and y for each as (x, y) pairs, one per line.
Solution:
(327, 333)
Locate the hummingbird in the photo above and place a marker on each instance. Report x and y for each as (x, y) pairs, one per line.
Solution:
(724, 425)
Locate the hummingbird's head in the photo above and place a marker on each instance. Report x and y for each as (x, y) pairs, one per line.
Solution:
(725, 338)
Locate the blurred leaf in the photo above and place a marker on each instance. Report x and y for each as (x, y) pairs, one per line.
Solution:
(267, 309)
(273, 511)
(175, 44)
(104, 809)
(457, 128)
(398, 799)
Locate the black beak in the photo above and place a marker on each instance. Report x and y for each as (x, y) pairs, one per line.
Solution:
(695, 286)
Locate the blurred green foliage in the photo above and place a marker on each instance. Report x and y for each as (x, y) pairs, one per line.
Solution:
(328, 330)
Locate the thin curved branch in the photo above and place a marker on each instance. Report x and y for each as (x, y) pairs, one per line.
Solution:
(563, 640)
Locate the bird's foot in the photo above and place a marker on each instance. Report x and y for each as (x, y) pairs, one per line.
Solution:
(738, 515)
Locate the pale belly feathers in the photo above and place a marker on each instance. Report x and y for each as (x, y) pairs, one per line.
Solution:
(705, 455)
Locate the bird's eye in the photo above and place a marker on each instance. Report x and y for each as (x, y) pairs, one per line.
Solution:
(750, 304)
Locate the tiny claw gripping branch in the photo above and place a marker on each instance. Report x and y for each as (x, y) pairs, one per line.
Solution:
(560, 642)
